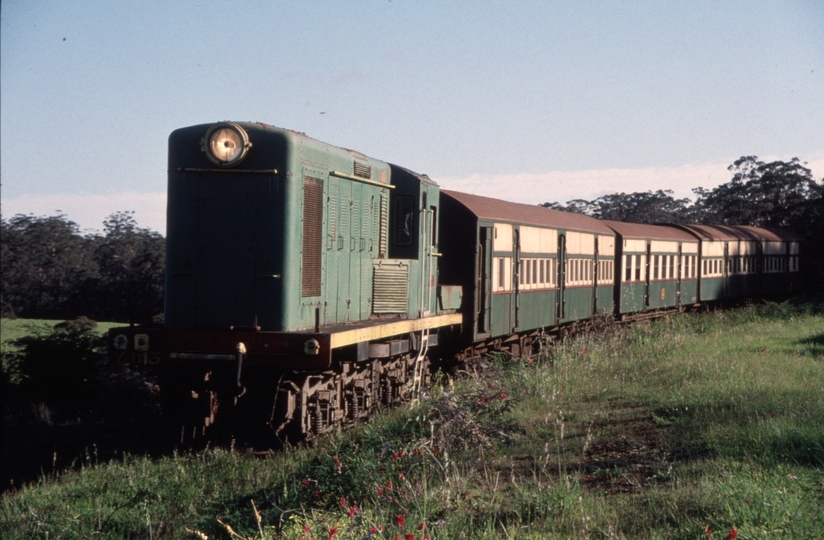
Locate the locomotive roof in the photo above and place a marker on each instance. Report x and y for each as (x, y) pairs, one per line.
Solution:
(741, 232)
(496, 209)
(646, 230)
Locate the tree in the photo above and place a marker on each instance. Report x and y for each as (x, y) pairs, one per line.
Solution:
(44, 261)
(639, 207)
(131, 264)
(776, 194)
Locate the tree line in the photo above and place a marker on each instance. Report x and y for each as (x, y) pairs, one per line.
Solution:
(776, 194)
(50, 270)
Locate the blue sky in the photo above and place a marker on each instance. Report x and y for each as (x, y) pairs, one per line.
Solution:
(526, 101)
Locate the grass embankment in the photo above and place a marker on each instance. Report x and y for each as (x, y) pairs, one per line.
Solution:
(13, 329)
(662, 430)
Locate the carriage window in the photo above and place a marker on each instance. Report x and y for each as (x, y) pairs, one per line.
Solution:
(501, 274)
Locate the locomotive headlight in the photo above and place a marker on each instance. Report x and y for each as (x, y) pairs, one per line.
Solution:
(226, 144)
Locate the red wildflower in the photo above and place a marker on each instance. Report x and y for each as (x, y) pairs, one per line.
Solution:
(306, 529)
(502, 396)
(332, 532)
(426, 537)
(343, 502)
(389, 486)
(317, 493)
(436, 451)
(401, 475)
(421, 526)
(397, 537)
(336, 459)
(586, 351)
(380, 492)
(763, 350)
(400, 521)
(305, 482)
(732, 533)
(352, 511)
(747, 501)
(409, 536)
(373, 530)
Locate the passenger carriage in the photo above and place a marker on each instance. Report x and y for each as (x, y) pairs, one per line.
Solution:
(523, 267)
(739, 261)
(657, 267)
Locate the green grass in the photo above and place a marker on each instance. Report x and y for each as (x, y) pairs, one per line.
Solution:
(12, 329)
(659, 430)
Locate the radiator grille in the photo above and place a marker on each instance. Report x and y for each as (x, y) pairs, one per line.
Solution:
(390, 289)
(312, 236)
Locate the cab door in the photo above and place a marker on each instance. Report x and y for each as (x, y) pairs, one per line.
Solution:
(516, 280)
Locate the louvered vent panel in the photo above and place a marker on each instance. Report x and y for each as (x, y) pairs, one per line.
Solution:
(355, 218)
(390, 289)
(345, 209)
(363, 171)
(332, 221)
(312, 236)
(383, 219)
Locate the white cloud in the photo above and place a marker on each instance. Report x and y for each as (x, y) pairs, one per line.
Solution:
(89, 210)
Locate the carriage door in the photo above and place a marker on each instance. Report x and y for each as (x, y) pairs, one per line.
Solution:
(679, 275)
(484, 281)
(647, 275)
(595, 277)
(726, 269)
(516, 279)
(560, 299)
